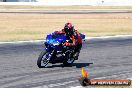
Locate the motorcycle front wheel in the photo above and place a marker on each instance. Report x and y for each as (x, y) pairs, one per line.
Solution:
(42, 59)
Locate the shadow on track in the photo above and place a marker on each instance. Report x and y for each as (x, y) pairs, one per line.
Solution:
(80, 65)
(77, 65)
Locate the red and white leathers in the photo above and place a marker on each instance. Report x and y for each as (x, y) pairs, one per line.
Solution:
(75, 38)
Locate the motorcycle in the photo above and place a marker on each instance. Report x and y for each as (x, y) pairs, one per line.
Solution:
(55, 51)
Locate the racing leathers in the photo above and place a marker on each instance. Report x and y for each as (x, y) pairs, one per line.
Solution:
(75, 41)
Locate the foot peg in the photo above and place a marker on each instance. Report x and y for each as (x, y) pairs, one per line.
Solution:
(76, 56)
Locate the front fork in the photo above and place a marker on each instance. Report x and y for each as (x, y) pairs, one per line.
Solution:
(50, 53)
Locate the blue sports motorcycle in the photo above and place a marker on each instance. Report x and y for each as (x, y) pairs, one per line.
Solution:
(55, 51)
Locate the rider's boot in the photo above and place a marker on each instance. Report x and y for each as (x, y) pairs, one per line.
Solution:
(76, 55)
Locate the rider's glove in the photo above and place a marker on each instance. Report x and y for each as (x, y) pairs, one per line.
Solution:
(66, 44)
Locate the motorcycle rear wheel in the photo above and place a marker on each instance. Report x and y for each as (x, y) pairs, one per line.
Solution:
(68, 61)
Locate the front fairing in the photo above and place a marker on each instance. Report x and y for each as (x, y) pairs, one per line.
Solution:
(53, 40)
(82, 36)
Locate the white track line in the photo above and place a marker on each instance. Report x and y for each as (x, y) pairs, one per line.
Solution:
(20, 42)
(87, 38)
(41, 87)
(79, 87)
(109, 37)
(62, 9)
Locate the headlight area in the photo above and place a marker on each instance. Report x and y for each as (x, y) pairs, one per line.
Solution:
(55, 44)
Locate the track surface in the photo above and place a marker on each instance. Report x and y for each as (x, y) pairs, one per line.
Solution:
(111, 59)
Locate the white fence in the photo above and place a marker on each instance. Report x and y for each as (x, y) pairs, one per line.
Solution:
(74, 2)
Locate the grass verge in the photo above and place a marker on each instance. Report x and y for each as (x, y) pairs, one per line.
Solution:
(25, 8)
(15, 27)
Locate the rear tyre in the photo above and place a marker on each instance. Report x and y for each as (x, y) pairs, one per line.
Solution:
(42, 59)
(68, 60)
(66, 63)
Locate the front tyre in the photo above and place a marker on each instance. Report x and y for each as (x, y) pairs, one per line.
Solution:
(42, 59)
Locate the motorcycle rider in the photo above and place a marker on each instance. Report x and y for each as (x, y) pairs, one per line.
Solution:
(76, 40)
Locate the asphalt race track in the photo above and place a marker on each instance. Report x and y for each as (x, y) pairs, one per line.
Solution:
(112, 59)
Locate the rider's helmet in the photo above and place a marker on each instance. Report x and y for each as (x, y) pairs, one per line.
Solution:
(69, 29)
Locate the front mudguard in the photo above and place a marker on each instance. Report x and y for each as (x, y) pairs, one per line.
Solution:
(47, 49)
(51, 54)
